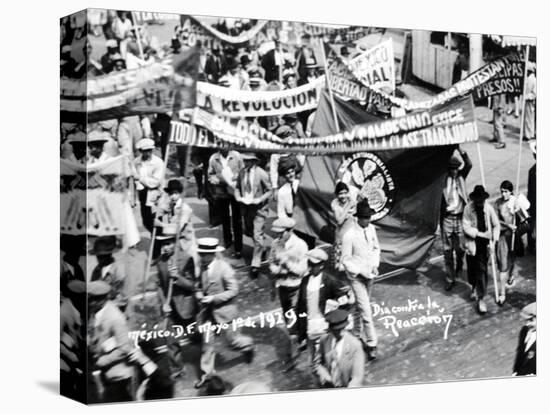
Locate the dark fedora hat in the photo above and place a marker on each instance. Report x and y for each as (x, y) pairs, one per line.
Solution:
(337, 319)
(174, 185)
(105, 245)
(479, 193)
(364, 210)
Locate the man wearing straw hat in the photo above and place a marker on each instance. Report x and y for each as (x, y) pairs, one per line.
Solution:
(481, 231)
(253, 191)
(216, 290)
(526, 353)
(360, 259)
(96, 142)
(150, 172)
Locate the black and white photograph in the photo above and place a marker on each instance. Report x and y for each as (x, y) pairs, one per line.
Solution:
(261, 206)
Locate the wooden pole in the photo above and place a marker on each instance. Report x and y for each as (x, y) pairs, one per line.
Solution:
(327, 77)
(492, 253)
(521, 130)
(138, 36)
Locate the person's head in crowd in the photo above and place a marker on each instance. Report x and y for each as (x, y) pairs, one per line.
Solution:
(364, 213)
(317, 259)
(290, 80)
(341, 190)
(208, 248)
(167, 240)
(174, 189)
(78, 144)
(284, 131)
(245, 61)
(338, 321)
(506, 190)
(96, 142)
(232, 66)
(112, 46)
(104, 247)
(88, 49)
(454, 166)
(250, 160)
(214, 385)
(305, 40)
(145, 147)
(255, 79)
(224, 151)
(344, 52)
(98, 295)
(118, 63)
(291, 119)
(282, 227)
(478, 196)
(289, 173)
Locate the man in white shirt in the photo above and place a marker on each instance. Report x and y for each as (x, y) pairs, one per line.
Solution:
(150, 172)
(361, 258)
(288, 265)
(287, 192)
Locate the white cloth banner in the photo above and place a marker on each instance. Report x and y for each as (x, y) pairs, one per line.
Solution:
(375, 67)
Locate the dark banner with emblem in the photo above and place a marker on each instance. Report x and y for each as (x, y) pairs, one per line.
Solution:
(403, 186)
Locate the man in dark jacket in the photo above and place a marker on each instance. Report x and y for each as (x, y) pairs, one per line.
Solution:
(526, 353)
(318, 294)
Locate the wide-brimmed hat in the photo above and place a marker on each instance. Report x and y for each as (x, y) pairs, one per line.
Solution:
(209, 245)
(98, 288)
(529, 311)
(364, 210)
(283, 223)
(317, 255)
(104, 245)
(479, 193)
(174, 185)
(78, 137)
(169, 232)
(249, 156)
(97, 136)
(145, 144)
(454, 163)
(337, 319)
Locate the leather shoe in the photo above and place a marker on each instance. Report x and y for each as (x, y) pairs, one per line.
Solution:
(449, 285)
(500, 145)
(248, 356)
(372, 353)
(254, 273)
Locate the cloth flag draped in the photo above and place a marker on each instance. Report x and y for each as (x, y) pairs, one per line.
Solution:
(403, 186)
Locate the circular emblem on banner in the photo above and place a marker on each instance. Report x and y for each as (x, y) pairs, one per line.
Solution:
(371, 177)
